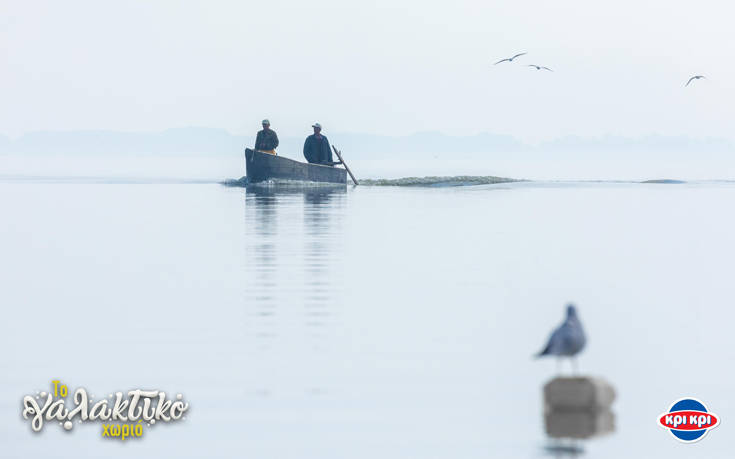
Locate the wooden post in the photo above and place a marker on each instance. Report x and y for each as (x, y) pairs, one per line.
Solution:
(339, 155)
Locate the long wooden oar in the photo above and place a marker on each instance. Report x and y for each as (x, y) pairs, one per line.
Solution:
(339, 155)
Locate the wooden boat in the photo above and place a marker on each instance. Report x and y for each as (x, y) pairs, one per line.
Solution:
(261, 167)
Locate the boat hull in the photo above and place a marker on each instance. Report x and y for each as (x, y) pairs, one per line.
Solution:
(262, 167)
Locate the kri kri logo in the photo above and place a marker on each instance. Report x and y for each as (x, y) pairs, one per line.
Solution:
(688, 420)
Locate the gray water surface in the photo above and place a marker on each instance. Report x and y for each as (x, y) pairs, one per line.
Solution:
(364, 322)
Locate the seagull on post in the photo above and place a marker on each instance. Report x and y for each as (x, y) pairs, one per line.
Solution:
(509, 59)
(695, 77)
(568, 339)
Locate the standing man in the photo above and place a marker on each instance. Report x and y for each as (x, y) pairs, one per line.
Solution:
(266, 140)
(316, 147)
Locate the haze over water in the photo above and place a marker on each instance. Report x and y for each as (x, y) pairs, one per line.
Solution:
(364, 322)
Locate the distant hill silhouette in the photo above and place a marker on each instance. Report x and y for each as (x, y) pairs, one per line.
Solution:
(647, 143)
(208, 141)
(181, 140)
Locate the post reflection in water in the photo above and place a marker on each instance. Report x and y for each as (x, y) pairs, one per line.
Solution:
(292, 278)
(576, 409)
(567, 429)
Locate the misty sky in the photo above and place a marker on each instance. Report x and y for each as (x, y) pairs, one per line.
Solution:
(385, 67)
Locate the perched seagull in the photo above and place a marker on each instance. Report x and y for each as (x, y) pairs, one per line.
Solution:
(539, 67)
(695, 77)
(510, 59)
(568, 339)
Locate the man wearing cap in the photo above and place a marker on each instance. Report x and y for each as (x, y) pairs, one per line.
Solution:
(266, 140)
(316, 147)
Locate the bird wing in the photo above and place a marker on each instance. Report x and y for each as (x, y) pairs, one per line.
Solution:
(690, 80)
(552, 346)
(545, 351)
(567, 340)
(501, 60)
(571, 344)
(546, 68)
(518, 55)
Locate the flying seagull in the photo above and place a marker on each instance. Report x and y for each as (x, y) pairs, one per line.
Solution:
(568, 339)
(695, 77)
(509, 59)
(539, 67)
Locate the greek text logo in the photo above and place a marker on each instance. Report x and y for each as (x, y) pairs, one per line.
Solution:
(122, 417)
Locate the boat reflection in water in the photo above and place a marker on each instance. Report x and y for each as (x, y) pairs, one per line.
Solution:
(294, 238)
(292, 285)
(576, 409)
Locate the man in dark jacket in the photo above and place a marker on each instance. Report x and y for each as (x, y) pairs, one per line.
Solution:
(266, 140)
(316, 147)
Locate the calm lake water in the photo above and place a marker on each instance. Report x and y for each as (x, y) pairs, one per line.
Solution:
(363, 322)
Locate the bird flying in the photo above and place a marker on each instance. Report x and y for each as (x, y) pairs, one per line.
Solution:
(509, 59)
(568, 339)
(695, 77)
(539, 67)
